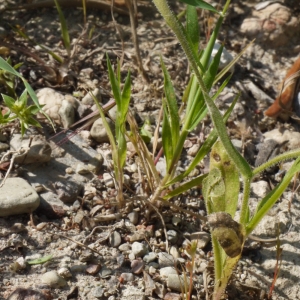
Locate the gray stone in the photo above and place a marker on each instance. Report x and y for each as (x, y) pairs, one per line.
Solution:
(125, 247)
(64, 272)
(175, 282)
(105, 272)
(115, 239)
(172, 236)
(36, 148)
(68, 190)
(60, 108)
(202, 238)
(260, 188)
(53, 279)
(78, 268)
(127, 277)
(161, 167)
(274, 25)
(98, 292)
(193, 150)
(164, 272)
(154, 265)
(160, 290)
(137, 266)
(89, 100)
(151, 256)
(67, 114)
(133, 217)
(139, 249)
(17, 197)
(166, 260)
(108, 180)
(174, 252)
(98, 131)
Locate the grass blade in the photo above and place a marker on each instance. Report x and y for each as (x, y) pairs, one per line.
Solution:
(64, 29)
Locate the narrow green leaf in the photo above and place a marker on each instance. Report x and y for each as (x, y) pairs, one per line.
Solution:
(267, 202)
(186, 186)
(126, 94)
(201, 4)
(171, 108)
(39, 261)
(23, 99)
(205, 58)
(202, 111)
(167, 137)
(5, 66)
(212, 71)
(231, 64)
(192, 27)
(9, 102)
(34, 122)
(115, 84)
(205, 148)
(64, 29)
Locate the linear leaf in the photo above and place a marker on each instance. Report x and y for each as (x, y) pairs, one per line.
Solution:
(64, 29)
(171, 108)
(115, 83)
(192, 27)
(201, 4)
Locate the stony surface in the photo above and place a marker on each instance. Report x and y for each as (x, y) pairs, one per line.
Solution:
(17, 197)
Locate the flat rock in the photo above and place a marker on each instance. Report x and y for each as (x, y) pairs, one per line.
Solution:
(36, 148)
(17, 197)
(55, 174)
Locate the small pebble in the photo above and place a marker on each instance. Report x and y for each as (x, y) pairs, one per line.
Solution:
(127, 277)
(133, 217)
(98, 292)
(115, 239)
(53, 279)
(139, 249)
(93, 269)
(151, 256)
(166, 260)
(64, 272)
(164, 272)
(175, 282)
(105, 272)
(137, 266)
(108, 180)
(124, 247)
(172, 236)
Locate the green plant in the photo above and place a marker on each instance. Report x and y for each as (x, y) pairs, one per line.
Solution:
(18, 109)
(221, 185)
(118, 141)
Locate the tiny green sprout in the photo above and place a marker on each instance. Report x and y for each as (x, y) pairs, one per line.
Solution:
(40, 260)
(18, 109)
(191, 248)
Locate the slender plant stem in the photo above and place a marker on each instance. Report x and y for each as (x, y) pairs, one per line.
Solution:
(276, 160)
(246, 193)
